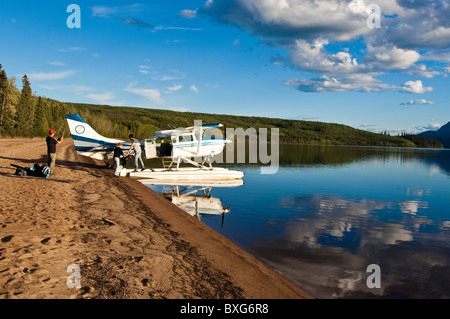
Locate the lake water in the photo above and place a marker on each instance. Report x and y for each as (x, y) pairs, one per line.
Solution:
(332, 211)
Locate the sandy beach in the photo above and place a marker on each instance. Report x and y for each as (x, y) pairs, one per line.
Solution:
(128, 241)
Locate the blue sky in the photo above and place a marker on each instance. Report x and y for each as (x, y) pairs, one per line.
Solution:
(294, 59)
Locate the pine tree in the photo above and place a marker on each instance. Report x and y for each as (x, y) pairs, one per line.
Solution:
(25, 109)
(41, 123)
(8, 101)
(3, 89)
(11, 98)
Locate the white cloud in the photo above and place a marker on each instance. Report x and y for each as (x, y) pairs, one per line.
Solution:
(431, 34)
(172, 75)
(194, 88)
(175, 88)
(77, 49)
(73, 49)
(165, 78)
(163, 28)
(150, 94)
(104, 98)
(351, 82)
(77, 89)
(139, 23)
(446, 71)
(312, 56)
(311, 30)
(104, 12)
(56, 63)
(429, 127)
(99, 11)
(49, 76)
(386, 57)
(421, 70)
(144, 69)
(307, 19)
(418, 101)
(415, 87)
(442, 55)
(188, 14)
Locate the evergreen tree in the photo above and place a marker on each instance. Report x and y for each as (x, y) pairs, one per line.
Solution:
(41, 122)
(3, 89)
(12, 98)
(25, 109)
(8, 101)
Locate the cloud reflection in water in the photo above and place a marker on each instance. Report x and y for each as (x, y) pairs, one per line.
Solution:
(329, 242)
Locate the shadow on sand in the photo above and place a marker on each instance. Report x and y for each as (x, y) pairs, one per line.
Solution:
(60, 163)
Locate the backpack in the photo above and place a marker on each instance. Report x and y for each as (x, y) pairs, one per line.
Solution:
(45, 171)
(34, 170)
(39, 171)
(21, 172)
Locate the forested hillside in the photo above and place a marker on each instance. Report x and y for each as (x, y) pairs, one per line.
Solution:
(24, 114)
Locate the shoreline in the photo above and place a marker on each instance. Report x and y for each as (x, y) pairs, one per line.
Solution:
(128, 241)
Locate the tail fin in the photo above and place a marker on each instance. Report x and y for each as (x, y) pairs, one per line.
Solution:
(85, 138)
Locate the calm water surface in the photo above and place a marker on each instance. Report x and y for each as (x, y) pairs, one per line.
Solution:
(330, 212)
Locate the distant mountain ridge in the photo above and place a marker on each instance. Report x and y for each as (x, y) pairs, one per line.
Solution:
(442, 135)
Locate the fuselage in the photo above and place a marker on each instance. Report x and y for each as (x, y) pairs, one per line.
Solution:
(180, 143)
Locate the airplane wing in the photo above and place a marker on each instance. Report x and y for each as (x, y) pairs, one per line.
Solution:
(187, 130)
(204, 127)
(171, 132)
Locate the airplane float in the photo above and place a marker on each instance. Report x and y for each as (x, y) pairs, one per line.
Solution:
(176, 146)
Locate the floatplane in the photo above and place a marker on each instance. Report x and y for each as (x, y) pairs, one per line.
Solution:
(172, 146)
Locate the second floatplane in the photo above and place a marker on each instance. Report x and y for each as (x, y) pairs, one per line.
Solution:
(173, 147)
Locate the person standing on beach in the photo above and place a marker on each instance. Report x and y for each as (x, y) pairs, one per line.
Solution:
(117, 154)
(136, 145)
(51, 148)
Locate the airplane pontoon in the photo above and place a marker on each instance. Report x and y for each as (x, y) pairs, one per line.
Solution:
(172, 146)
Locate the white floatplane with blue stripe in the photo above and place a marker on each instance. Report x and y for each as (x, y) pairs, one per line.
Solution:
(172, 146)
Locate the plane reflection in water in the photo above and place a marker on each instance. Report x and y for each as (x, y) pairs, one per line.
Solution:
(195, 198)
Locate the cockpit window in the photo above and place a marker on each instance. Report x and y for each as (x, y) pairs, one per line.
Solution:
(185, 138)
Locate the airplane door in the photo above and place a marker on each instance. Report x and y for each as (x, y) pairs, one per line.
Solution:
(150, 149)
